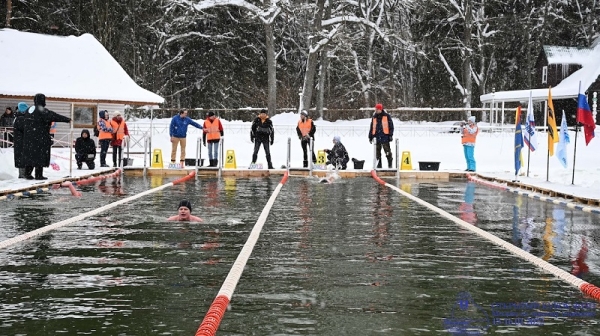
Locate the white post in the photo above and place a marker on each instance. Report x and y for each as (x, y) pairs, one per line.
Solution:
(502, 126)
(594, 104)
(71, 141)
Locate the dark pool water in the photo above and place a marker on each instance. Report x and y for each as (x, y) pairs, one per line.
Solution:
(349, 258)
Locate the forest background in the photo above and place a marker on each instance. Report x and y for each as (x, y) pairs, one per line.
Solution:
(333, 54)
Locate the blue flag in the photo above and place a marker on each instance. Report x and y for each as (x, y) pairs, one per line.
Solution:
(563, 140)
(518, 147)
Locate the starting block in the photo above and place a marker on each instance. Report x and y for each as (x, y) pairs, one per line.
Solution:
(320, 166)
(230, 159)
(175, 166)
(157, 161)
(255, 166)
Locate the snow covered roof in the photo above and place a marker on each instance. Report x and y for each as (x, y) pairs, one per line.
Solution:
(65, 68)
(567, 55)
(567, 88)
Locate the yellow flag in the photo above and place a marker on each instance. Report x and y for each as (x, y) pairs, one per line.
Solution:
(552, 133)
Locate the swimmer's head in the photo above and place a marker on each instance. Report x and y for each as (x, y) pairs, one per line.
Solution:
(185, 204)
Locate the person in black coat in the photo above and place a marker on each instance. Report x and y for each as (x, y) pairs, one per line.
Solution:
(6, 123)
(18, 138)
(36, 137)
(382, 130)
(85, 150)
(262, 133)
(338, 155)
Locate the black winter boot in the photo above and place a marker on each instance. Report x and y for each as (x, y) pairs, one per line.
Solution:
(378, 163)
(39, 173)
(390, 160)
(21, 172)
(28, 171)
(254, 157)
(305, 164)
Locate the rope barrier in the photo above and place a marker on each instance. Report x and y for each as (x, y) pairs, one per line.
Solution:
(571, 205)
(217, 309)
(47, 228)
(583, 286)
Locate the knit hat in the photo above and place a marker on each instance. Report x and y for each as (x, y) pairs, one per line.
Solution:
(263, 111)
(337, 138)
(471, 119)
(22, 107)
(379, 107)
(210, 114)
(117, 113)
(304, 113)
(39, 99)
(185, 203)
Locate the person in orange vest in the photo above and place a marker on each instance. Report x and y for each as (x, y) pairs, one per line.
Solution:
(306, 130)
(469, 134)
(213, 131)
(185, 213)
(120, 134)
(104, 137)
(382, 130)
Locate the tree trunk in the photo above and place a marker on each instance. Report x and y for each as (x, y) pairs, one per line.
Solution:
(468, 80)
(271, 69)
(8, 12)
(322, 79)
(311, 61)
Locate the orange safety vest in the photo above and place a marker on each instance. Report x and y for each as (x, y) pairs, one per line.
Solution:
(384, 124)
(305, 126)
(118, 129)
(468, 137)
(211, 128)
(104, 135)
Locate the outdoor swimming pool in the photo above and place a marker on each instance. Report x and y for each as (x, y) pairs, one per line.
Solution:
(348, 258)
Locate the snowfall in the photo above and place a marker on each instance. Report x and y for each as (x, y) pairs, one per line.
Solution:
(494, 152)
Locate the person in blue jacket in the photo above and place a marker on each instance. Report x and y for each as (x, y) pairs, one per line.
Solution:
(178, 133)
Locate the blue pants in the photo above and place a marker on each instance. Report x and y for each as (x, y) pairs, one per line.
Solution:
(213, 150)
(470, 157)
(103, 150)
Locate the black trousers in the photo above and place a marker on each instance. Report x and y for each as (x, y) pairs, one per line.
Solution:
(305, 144)
(265, 143)
(386, 149)
(119, 150)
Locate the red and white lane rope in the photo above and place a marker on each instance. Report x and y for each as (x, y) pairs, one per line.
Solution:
(583, 286)
(217, 309)
(37, 232)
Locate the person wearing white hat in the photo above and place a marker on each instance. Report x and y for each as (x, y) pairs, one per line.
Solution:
(120, 135)
(468, 138)
(306, 131)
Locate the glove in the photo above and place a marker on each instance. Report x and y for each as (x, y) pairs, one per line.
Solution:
(371, 140)
(272, 141)
(252, 139)
(391, 138)
(204, 143)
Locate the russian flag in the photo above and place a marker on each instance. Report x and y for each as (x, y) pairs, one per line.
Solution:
(586, 118)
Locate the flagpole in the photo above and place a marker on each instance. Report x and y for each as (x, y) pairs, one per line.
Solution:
(528, 158)
(574, 153)
(547, 152)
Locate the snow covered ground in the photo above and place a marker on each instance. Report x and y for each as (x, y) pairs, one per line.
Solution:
(425, 141)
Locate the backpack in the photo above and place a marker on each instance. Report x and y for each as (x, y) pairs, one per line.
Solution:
(96, 131)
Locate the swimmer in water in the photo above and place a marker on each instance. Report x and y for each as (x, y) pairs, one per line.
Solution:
(185, 213)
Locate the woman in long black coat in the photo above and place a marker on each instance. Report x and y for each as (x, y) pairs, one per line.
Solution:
(18, 138)
(36, 135)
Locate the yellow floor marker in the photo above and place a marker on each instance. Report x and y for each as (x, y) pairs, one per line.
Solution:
(406, 161)
(321, 157)
(157, 161)
(230, 159)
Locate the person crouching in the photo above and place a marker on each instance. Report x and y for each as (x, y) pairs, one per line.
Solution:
(85, 150)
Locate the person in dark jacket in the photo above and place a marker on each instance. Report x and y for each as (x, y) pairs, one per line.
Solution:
(18, 137)
(36, 137)
(262, 132)
(6, 123)
(85, 150)
(338, 155)
(306, 131)
(382, 130)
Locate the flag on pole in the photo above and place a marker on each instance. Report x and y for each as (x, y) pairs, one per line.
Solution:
(561, 148)
(552, 135)
(518, 147)
(530, 137)
(585, 116)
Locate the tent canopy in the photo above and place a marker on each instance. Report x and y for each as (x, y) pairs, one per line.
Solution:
(66, 68)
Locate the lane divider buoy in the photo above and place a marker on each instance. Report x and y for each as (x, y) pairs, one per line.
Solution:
(217, 309)
(583, 286)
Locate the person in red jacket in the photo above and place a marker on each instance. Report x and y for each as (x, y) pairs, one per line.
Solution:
(120, 134)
